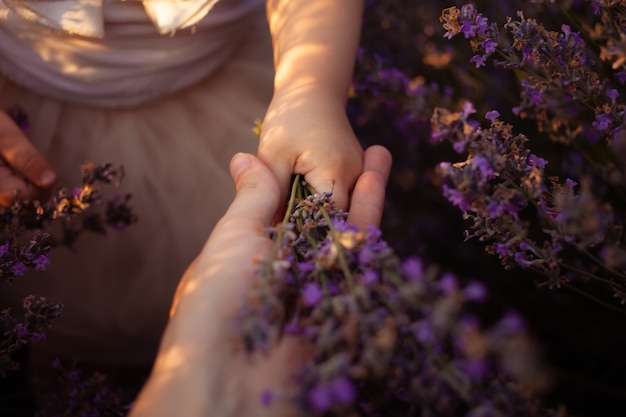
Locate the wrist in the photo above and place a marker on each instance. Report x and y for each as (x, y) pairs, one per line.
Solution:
(310, 93)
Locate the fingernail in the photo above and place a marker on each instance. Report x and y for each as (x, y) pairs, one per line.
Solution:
(239, 163)
(48, 177)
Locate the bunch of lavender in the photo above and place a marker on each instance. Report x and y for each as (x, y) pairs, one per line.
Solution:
(390, 337)
(60, 219)
(569, 229)
(71, 212)
(562, 79)
(582, 340)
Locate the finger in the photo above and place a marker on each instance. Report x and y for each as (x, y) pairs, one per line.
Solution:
(366, 206)
(12, 184)
(340, 189)
(377, 158)
(238, 236)
(336, 177)
(282, 168)
(257, 190)
(322, 182)
(21, 155)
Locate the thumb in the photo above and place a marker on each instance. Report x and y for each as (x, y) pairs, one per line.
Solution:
(257, 190)
(337, 185)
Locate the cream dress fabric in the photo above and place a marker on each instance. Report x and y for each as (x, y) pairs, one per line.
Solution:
(175, 148)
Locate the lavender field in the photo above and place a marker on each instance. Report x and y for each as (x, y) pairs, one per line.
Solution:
(496, 285)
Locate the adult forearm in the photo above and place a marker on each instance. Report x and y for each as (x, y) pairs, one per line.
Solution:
(315, 44)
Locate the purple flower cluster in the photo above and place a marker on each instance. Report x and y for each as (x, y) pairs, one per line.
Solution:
(560, 79)
(571, 116)
(390, 337)
(78, 210)
(17, 257)
(80, 396)
(73, 212)
(59, 220)
(567, 229)
(502, 186)
(38, 315)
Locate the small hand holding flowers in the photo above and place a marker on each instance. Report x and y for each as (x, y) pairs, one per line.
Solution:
(306, 130)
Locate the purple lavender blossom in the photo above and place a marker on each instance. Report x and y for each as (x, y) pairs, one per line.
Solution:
(41, 262)
(342, 390)
(268, 397)
(475, 291)
(413, 268)
(320, 398)
(376, 344)
(19, 269)
(312, 293)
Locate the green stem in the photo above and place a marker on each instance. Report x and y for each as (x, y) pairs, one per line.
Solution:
(595, 299)
(554, 225)
(592, 276)
(292, 198)
(341, 256)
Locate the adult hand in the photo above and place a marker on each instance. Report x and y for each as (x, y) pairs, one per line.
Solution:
(23, 170)
(197, 369)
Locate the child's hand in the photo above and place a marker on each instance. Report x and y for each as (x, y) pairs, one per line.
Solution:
(22, 168)
(306, 130)
(309, 135)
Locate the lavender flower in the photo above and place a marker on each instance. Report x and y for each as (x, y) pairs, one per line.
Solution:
(37, 316)
(72, 213)
(91, 396)
(377, 343)
(562, 143)
(559, 69)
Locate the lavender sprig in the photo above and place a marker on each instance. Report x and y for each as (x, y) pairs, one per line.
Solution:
(38, 315)
(502, 188)
(528, 217)
(559, 77)
(72, 212)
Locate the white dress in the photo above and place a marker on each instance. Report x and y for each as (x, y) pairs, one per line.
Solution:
(172, 107)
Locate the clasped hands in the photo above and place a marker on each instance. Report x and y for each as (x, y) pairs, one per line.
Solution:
(198, 369)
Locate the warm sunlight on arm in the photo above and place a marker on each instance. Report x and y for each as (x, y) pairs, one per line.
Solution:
(314, 44)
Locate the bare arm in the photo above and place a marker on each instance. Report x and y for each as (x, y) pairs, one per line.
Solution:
(306, 129)
(314, 46)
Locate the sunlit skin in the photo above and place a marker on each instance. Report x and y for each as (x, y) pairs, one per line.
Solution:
(306, 129)
(23, 170)
(200, 370)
